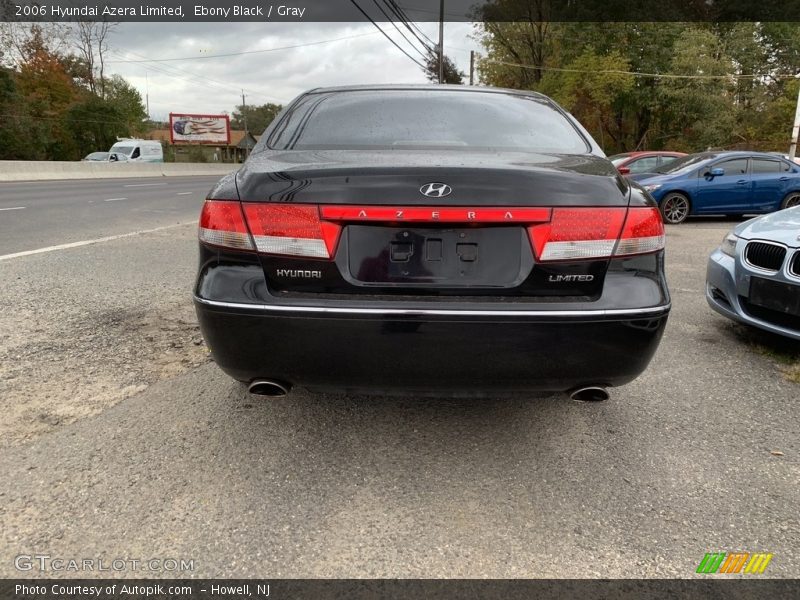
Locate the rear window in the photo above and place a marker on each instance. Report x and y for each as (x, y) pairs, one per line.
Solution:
(762, 165)
(383, 119)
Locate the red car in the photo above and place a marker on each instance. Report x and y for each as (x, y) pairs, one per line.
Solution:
(631, 163)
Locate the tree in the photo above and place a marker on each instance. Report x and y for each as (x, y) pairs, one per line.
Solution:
(17, 129)
(94, 124)
(127, 102)
(47, 92)
(91, 43)
(451, 73)
(257, 117)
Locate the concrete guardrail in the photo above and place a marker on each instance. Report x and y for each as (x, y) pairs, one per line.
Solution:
(30, 170)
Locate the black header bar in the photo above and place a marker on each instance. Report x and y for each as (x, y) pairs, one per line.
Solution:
(407, 589)
(414, 10)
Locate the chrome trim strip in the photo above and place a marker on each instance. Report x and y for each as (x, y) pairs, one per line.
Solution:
(633, 312)
(794, 257)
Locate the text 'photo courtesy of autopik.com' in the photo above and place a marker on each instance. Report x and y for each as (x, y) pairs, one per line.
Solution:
(437, 299)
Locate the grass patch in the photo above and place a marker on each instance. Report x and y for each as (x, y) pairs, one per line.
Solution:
(784, 351)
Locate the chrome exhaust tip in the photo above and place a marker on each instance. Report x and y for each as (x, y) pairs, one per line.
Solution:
(590, 393)
(267, 387)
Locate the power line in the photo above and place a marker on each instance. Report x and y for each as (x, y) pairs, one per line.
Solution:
(386, 35)
(641, 74)
(400, 31)
(202, 57)
(182, 75)
(410, 25)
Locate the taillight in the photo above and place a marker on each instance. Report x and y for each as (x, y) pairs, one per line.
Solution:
(287, 229)
(643, 232)
(587, 233)
(291, 230)
(222, 224)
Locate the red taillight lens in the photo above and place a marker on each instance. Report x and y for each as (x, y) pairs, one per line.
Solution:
(291, 230)
(643, 232)
(587, 233)
(578, 233)
(286, 229)
(222, 224)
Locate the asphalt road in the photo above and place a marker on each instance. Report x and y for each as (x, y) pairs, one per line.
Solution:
(120, 439)
(37, 214)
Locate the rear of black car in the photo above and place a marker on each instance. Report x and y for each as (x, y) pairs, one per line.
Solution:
(430, 239)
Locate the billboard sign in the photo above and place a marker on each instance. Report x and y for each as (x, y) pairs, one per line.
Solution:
(199, 129)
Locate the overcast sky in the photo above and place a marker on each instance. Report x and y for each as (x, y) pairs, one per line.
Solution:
(214, 85)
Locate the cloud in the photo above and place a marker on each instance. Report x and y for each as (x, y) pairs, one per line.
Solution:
(215, 85)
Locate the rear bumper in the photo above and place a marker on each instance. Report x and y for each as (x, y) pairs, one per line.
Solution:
(430, 349)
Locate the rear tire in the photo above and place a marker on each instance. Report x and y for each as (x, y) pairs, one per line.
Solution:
(791, 200)
(675, 207)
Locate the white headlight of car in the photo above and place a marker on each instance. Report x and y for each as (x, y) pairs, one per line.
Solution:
(728, 245)
(652, 187)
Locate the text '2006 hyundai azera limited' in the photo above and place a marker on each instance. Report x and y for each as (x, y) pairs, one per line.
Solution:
(430, 239)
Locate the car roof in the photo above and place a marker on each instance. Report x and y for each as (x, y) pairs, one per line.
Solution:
(434, 87)
(654, 152)
(741, 154)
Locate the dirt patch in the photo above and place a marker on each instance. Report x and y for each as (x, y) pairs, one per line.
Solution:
(56, 373)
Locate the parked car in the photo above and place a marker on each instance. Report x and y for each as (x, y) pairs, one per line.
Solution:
(96, 157)
(137, 150)
(632, 163)
(729, 183)
(754, 276)
(435, 239)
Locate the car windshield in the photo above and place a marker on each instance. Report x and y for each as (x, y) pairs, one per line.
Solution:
(394, 119)
(126, 150)
(683, 164)
(618, 159)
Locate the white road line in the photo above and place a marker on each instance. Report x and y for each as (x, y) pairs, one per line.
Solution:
(113, 199)
(183, 193)
(13, 208)
(143, 184)
(89, 242)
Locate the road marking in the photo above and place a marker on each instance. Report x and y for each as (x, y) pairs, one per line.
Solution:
(114, 199)
(183, 193)
(13, 208)
(143, 184)
(89, 242)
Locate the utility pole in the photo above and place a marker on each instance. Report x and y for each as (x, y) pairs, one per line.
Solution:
(246, 136)
(795, 129)
(471, 67)
(147, 93)
(441, 41)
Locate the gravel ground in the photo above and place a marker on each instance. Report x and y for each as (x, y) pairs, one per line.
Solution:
(122, 440)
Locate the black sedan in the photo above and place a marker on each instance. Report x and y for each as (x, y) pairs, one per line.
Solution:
(443, 240)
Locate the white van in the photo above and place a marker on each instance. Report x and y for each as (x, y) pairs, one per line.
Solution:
(136, 150)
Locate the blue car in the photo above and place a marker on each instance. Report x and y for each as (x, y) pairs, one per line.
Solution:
(728, 183)
(754, 276)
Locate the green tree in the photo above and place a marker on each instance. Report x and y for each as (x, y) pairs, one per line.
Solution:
(17, 129)
(127, 101)
(94, 124)
(257, 117)
(450, 73)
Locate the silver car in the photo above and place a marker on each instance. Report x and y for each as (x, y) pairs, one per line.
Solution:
(754, 276)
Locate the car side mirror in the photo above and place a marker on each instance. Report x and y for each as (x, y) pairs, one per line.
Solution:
(716, 172)
(113, 157)
(624, 170)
